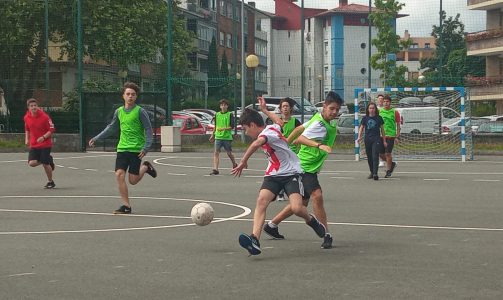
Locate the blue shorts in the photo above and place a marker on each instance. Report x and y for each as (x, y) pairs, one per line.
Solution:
(226, 144)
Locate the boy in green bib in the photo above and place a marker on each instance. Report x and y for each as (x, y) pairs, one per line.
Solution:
(392, 122)
(222, 135)
(316, 138)
(134, 143)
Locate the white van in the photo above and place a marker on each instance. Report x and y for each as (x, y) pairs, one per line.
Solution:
(419, 120)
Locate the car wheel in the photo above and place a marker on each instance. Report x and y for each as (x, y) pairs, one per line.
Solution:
(415, 131)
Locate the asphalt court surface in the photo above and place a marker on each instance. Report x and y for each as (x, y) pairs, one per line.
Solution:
(432, 231)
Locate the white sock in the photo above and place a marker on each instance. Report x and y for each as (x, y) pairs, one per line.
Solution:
(272, 225)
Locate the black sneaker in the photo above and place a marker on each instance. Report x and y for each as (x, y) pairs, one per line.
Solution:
(327, 241)
(273, 232)
(214, 172)
(51, 163)
(150, 169)
(317, 226)
(393, 166)
(370, 176)
(376, 177)
(50, 185)
(388, 174)
(123, 210)
(250, 243)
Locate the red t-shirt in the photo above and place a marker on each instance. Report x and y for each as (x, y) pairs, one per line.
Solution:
(38, 125)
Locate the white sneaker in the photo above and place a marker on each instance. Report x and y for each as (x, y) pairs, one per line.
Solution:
(281, 197)
(382, 163)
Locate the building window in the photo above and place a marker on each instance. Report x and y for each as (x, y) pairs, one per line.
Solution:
(309, 25)
(289, 59)
(229, 40)
(414, 46)
(289, 83)
(427, 45)
(222, 38)
(222, 8)
(288, 33)
(326, 47)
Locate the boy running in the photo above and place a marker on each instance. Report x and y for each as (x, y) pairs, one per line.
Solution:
(134, 142)
(283, 172)
(316, 137)
(38, 128)
(222, 135)
(392, 120)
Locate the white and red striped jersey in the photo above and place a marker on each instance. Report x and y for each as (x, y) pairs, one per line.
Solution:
(282, 160)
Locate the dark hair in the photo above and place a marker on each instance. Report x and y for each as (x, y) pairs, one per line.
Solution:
(333, 97)
(289, 100)
(367, 109)
(31, 100)
(387, 97)
(380, 95)
(251, 116)
(223, 101)
(131, 85)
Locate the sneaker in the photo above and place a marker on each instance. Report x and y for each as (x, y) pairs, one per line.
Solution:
(214, 172)
(327, 241)
(370, 176)
(381, 163)
(51, 163)
(150, 169)
(123, 210)
(376, 177)
(317, 226)
(280, 197)
(393, 166)
(50, 185)
(388, 174)
(273, 232)
(250, 243)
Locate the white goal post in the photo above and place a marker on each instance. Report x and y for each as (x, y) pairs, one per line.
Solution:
(433, 122)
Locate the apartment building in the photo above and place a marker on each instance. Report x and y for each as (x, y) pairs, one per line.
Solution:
(488, 43)
(421, 47)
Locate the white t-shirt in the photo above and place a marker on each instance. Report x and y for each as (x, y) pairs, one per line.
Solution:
(282, 160)
(315, 131)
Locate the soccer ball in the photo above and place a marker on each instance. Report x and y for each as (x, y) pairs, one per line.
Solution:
(202, 214)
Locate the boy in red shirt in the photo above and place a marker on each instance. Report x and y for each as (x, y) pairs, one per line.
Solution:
(38, 129)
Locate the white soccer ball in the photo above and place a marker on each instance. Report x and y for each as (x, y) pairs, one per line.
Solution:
(202, 214)
(421, 78)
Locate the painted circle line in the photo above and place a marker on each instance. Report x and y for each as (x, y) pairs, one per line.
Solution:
(246, 211)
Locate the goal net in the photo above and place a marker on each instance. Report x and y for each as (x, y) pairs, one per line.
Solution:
(435, 121)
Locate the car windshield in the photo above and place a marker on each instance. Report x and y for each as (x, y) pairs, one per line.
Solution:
(178, 122)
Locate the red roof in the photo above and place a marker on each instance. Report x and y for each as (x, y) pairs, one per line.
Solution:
(351, 9)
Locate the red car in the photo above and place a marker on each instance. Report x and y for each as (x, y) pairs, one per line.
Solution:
(188, 124)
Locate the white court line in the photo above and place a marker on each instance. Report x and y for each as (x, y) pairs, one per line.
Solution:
(94, 170)
(340, 177)
(20, 274)
(246, 211)
(436, 179)
(487, 180)
(396, 226)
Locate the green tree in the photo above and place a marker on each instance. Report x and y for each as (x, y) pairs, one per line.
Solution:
(387, 42)
(118, 33)
(450, 64)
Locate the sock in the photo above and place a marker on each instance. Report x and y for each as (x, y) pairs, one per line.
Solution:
(271, 224)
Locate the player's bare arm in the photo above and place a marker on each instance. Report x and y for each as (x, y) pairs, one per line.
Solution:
(263, 107)
(243, 164)
(295, 134)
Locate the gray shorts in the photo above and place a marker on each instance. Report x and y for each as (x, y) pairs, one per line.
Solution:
(226, 144)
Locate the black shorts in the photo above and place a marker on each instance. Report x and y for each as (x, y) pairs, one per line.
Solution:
(291, 184)
(127, 160)
(390, 141)
(42, 155)
(311, 184)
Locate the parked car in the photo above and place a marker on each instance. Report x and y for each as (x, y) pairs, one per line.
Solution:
(204, 110)
(343, 110)
(453, 126)
(494, 117)
(490, 128)
(410, 101)
(346, 123)
(189, 124)
(420, 120)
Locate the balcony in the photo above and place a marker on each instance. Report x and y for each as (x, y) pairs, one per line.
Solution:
(485, 43)
(485, 88)
(484, 4)
(262, 35)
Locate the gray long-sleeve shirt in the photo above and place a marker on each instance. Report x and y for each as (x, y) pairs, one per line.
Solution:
(114, 125)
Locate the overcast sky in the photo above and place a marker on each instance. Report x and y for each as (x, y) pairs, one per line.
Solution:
(423, 14)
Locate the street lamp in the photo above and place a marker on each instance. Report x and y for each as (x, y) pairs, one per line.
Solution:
(252, 63)
(320, 78)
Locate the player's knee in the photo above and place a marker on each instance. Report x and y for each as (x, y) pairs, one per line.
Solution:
(33, 163)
